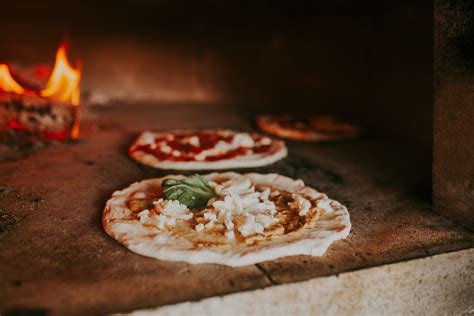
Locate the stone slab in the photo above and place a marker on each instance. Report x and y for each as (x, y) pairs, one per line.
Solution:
(438, 285)
(56, 259)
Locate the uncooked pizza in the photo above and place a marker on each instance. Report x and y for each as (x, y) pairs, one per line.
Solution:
(225, 218)
(207, 149)
(317, 128)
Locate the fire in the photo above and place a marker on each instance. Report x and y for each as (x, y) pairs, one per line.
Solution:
(63, 85)
(7, 83)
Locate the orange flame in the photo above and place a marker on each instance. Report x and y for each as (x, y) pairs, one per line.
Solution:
(63, 85)
(7, 83)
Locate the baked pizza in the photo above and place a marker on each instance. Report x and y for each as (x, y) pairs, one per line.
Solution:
(207, 149)
(225, 218)
(316, 128)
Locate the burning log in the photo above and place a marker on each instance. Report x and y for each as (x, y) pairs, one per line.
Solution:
(28, 119)
(31, 117)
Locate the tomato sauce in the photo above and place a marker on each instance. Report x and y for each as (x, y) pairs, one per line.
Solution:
(207, 141)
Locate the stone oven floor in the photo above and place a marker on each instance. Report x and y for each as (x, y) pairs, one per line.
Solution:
(56, 258)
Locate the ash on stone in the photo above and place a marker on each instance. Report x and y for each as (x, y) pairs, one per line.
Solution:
(7, 222)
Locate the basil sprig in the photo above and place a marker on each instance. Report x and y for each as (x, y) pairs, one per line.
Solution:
(194, 191)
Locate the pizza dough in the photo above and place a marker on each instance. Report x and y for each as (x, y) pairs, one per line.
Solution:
(253, 218)
(206, 150)
(317, 128)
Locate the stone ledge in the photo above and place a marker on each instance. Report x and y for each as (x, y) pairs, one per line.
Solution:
(437, 285)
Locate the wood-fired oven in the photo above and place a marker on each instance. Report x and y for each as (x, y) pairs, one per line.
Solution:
(400, 70)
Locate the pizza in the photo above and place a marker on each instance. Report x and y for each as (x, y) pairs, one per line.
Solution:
(316, 128)
(206, 149)
(224, 218)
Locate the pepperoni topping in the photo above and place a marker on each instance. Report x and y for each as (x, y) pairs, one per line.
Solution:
(205, 146)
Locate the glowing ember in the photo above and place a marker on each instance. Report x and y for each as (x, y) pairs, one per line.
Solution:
(7, 83)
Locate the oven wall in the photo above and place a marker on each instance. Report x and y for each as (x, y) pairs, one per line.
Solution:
(365, 60)
(453, 159)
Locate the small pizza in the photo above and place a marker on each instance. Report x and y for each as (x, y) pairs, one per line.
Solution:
(207, 149)
(317, 128)
(225, 218)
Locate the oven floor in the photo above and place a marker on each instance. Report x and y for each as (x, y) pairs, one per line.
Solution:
(56, 258)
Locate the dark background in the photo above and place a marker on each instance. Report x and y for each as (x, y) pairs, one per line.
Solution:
(368, 61)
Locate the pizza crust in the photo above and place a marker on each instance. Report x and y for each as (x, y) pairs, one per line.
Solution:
(315, 240)
(277, 152)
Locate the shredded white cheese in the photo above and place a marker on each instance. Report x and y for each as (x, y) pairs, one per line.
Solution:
(144, 216)
(229, 224)
(172, 209)
(325, 204)
(265, 220)
(211, 217)
(300, 203)
(243, 208)
(139, 195)
(275, 193)
(199, 227)
(164, 220)
(265, 194)
(239, 207)
(250, 227)
(166, 212)
(230, 234)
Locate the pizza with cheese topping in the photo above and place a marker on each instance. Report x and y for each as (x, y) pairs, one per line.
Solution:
(225, 218)
(207, 149)
(316, 128)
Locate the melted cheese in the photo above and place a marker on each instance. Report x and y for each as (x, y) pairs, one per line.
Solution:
(239, 140)
(192, 140)
(146, 139)
(165, 148)
(265, 141)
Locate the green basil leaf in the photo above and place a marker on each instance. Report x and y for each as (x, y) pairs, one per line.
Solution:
(194, 191)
